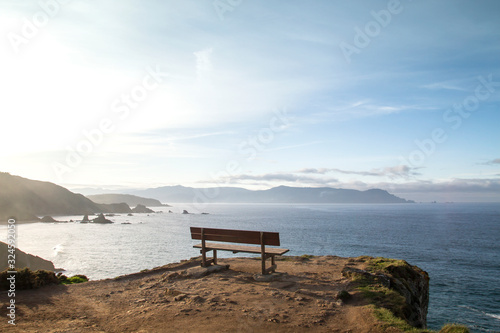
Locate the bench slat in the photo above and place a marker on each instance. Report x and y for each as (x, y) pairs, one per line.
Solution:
(236, 236)
(241, 248)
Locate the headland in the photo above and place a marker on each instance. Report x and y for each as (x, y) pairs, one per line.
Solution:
(308, 294)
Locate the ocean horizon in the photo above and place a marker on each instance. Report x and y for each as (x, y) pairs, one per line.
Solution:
(456, 243)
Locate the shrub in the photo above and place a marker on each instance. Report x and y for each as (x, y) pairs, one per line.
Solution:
(63, 279)
(27, 279)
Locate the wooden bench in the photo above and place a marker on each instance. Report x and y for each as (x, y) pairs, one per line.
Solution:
(238, 236)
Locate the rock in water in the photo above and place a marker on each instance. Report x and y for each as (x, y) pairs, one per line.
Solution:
(101, 219)
(47, 219)
(142, 209)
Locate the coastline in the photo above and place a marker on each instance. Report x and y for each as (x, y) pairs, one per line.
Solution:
(4, 222)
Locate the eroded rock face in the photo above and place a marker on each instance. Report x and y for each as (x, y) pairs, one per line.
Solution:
(413, 284)
(409, 281)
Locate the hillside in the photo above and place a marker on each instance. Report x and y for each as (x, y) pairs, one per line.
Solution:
(131, 200)
(281, 194)
(26, 199)
(23, 259)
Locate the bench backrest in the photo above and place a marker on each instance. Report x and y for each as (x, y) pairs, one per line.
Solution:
(236, 236)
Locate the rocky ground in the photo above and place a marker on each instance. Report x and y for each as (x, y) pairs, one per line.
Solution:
(182, 298)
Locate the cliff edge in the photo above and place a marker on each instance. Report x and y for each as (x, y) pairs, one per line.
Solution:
(309, 294)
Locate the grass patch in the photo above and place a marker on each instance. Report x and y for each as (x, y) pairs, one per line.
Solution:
(381, 264)
(454, 328)
(390, 320)
(383, 297)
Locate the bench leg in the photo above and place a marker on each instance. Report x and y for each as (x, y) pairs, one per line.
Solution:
(203, 258)
(205, 262)
(263, 252)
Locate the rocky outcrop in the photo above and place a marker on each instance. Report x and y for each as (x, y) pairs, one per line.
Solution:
(47, 218)
(142, 209)
(24, 260)
(410, 282)
(413, 283)
(101, 219)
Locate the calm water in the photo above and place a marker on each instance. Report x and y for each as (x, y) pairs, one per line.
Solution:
(457, 244)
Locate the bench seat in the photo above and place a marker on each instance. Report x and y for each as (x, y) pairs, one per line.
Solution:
(241, 248)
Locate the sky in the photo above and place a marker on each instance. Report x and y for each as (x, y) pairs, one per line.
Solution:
(398, 95)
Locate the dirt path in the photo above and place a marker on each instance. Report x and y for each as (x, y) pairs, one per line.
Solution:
(177, 298)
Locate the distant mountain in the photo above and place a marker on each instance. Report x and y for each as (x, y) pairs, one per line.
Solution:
(281, 194)
(131, 200)
(26, 199)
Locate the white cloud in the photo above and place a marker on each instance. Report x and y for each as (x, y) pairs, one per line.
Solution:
(399, 171)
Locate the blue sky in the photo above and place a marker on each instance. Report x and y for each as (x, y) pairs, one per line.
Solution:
(399, 95)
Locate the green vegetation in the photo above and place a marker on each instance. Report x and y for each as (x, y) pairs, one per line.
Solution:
(381, 264)
(383, 297)
(63, 279)
(387, 304)
(454, 328)
(25, 278)
(390, 320)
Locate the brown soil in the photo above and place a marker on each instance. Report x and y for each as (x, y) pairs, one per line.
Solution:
(173, 298)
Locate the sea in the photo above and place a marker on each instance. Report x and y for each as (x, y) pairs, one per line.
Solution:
(458, 244)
